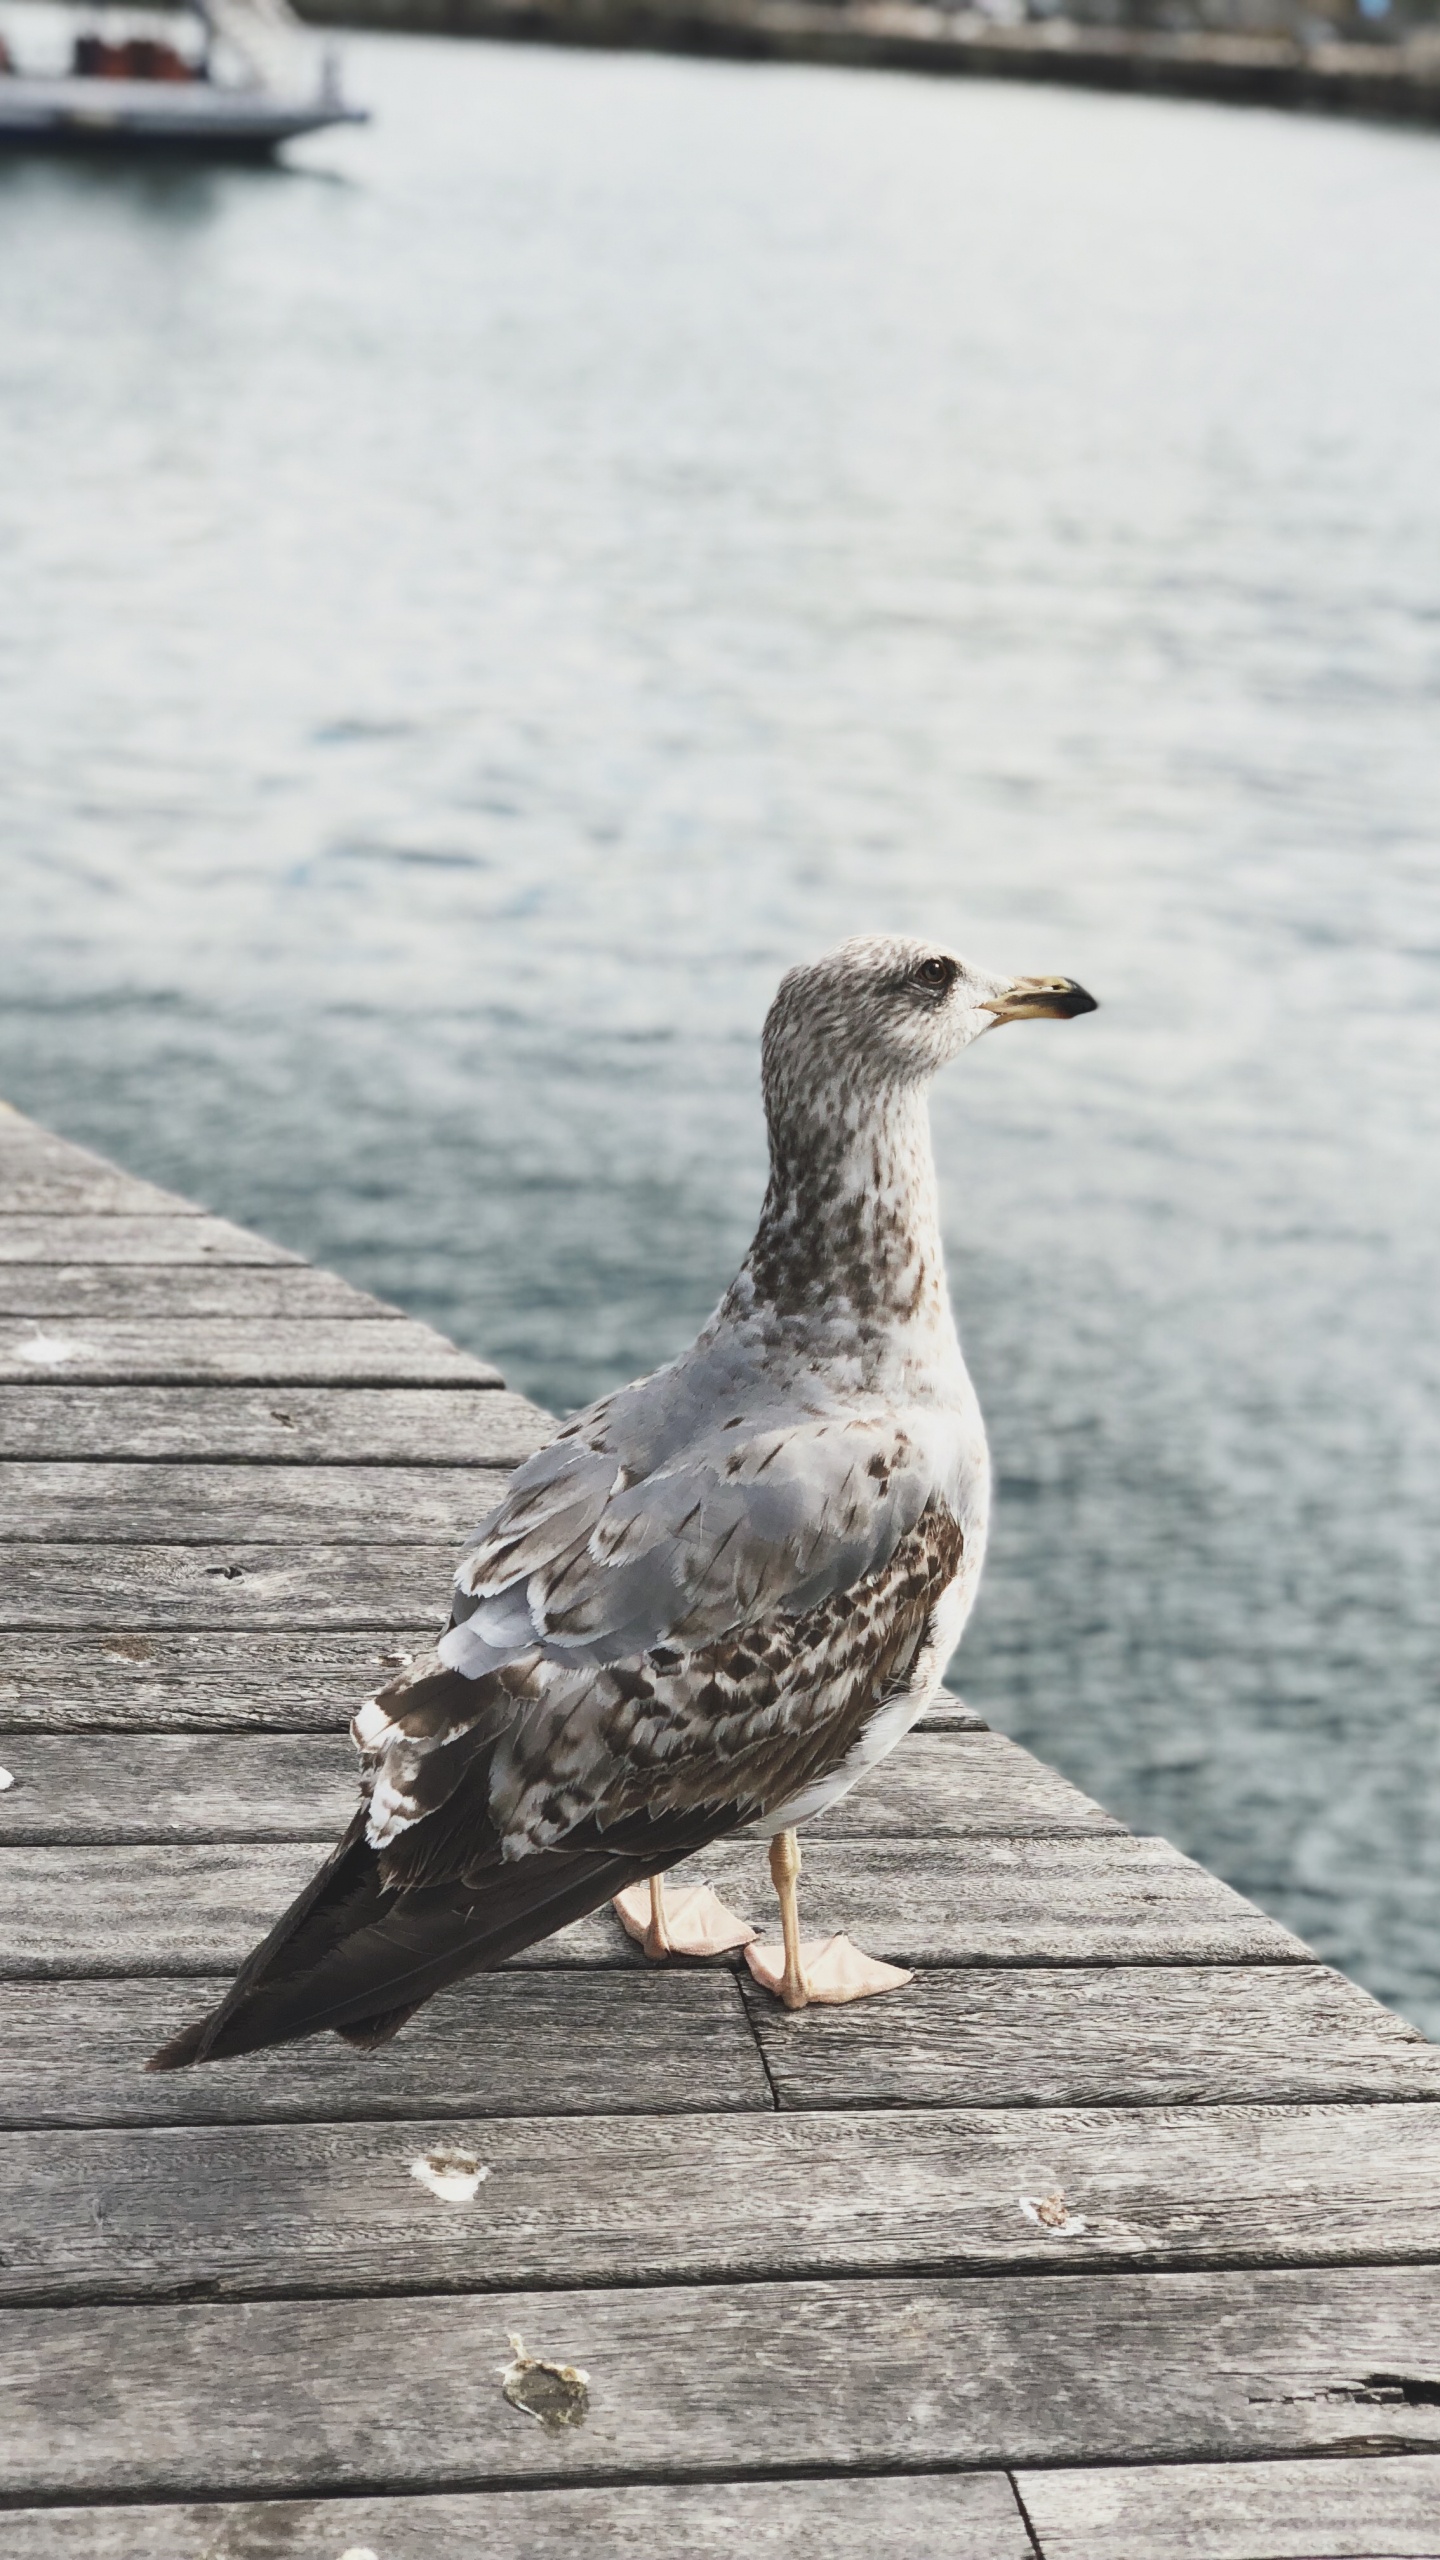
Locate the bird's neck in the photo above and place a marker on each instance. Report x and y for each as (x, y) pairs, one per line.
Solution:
(850, 1229)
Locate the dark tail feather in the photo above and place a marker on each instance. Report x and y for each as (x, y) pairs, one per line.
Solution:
(357, 1955)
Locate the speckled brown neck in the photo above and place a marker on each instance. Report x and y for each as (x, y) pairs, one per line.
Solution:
(850, 1223)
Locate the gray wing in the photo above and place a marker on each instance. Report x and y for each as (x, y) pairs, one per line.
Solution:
(597, 1556)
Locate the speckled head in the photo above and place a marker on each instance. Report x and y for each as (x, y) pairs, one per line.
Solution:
(889, 1010)
(851, 1043)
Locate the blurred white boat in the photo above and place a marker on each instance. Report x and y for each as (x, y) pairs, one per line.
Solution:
(224, 79)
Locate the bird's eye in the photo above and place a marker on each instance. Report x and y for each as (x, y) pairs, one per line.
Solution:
(937, 976)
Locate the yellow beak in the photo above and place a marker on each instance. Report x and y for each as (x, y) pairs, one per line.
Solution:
(1036, 999)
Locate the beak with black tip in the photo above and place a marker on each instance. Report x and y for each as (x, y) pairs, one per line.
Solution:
(1037, 999)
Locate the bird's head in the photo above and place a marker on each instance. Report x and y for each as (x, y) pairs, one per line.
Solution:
(887, 1010)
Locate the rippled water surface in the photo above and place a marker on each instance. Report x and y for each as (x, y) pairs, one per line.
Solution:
(475, 605)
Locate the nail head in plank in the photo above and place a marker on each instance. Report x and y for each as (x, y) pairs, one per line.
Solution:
(463, 1423)
(1112, 2035)
(187, 1236)
(150, 1502)
(77, 1294)
(1082, 1902)
(506, 2044)
(260, 2210)
(234, 1350)
(955, 2516)
(131, 1679)
(1336, 2510)
(207, 2399)
(96, 1788)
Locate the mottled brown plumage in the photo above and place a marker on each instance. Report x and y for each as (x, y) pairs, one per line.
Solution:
(720, 1594)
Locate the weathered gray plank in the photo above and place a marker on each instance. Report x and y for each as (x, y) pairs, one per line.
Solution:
(250, 2210)
(185, 1909)
(41, 1174)
(80, 1239)
(1132, 2035)
(957, 1782)
(95, 1503)
(1104, 1899)
(97, 1788)
(73, 1294)
(126, 1680)
(235, 1350)
(178, 1786)
(957, 2516)
(273, 2398)
(229, 1585)
(304, 1426)
(951, 1715)
(663, 2042)
(1337, 2510)
(129, 1680)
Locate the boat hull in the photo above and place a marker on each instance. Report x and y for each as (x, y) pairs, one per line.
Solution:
(154, 120)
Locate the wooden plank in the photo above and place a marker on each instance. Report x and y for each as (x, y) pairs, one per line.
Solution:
(228, 1585)
(240, 2211)
(186, 1909)
(127, 1680)
(274, 2398)
(935, 1785)
(95, 1503)
(305, 1426)
(955, 2516)
(186, 1236)
(100, 1788)
(235, 1351)
(79, 1293)
(42, 1175)
(1337, 2510)
(950, 1714)
(1132, 2035)
(663, 2042)
(1108, 1899)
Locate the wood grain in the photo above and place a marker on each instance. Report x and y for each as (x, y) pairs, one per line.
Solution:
(100, 1788)
(659, 2042)
(125, 1679)
(275, 2398)
(260, 2210)
(1119, 2035)
(958, 1783)
(234, 1350)
(470, 1420)
(229, 1585)
(188, 1909)
(84, 1241)
(95, 1504)
(42, 1175)
(958, 2516)
(74, 1293)
(1337, 2510)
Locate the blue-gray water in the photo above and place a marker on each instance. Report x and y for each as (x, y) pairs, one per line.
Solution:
(474, 607)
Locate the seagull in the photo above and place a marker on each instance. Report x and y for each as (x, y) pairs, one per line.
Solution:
(717, 1597)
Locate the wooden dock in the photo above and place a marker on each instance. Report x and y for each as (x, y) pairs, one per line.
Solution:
(1114, 2238)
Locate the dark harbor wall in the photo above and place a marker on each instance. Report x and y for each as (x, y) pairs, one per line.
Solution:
(1240, 52)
